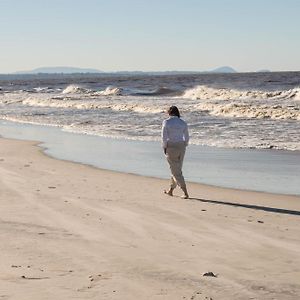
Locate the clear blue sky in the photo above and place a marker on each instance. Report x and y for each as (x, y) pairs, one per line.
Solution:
(150, 35)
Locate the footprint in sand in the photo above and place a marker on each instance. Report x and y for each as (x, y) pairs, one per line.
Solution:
(93, 279)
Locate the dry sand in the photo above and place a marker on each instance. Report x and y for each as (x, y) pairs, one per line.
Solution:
(70, 231)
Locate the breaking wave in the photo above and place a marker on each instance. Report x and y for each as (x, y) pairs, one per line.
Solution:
(209, 93)
(244, 110)
(111, 91)
(75, 89)
(118, 91)
(93, 104)
(108, 91)
(277, 105)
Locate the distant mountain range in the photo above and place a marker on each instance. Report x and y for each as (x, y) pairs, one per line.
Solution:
(58, 70)
(73, 70)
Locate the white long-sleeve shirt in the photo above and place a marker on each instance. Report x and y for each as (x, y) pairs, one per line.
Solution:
(174, 129)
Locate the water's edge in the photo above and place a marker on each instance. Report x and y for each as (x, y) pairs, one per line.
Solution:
(257, 170)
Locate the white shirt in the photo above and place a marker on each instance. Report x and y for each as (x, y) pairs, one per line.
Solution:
(174, 129)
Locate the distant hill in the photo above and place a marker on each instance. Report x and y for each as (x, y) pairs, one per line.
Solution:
(224, 69)
(58, 70)
(73, 70)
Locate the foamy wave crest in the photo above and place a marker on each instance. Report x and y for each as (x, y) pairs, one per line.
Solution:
(75, 89)
(110, 91)
(244, 110)
(93, 104)
(297, 94)
(206, 93)
(10, 98)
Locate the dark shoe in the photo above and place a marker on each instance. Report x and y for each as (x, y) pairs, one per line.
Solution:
(169, 192)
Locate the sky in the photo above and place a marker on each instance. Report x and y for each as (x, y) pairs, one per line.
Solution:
(150, 35)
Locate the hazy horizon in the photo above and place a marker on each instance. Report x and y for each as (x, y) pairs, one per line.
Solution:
(95, 71)
(118, 71)
(151, 37)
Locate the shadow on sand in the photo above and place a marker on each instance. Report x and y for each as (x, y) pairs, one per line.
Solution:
(256, 207)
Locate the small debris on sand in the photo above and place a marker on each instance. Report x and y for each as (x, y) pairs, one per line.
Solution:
(34, 278)
(210, 274)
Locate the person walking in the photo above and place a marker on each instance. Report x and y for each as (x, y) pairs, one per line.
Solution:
(175, 138)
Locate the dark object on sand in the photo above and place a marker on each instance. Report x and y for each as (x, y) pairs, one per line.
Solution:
(34, 278)
(210, 274)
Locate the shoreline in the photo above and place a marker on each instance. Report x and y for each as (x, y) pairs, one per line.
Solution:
(76, 231)
(259, 170)
(207, 188)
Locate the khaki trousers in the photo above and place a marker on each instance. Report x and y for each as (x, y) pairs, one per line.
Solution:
(175, 154)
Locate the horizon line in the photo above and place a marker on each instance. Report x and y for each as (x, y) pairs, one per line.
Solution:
(90, 70)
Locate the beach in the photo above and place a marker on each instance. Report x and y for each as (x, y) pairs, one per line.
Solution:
(150, 150)
(72, 231)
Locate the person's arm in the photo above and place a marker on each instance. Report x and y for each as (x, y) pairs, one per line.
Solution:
(164, 136)
(186, 135)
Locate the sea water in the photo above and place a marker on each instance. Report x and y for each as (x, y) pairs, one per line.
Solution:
(250, 110)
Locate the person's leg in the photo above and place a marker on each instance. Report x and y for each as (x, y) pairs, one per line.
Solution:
(173, 185)
(182, 153)
(171, 155)
(175, 156)
(182, 183)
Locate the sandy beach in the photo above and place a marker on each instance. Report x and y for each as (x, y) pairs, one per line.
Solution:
(71, 231)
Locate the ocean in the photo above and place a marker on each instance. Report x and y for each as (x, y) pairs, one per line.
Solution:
(240, 110)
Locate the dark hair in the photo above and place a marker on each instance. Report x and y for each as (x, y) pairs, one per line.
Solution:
(174, 111)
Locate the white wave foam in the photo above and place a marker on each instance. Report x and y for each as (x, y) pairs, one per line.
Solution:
(10, 98)
(110, 91)
(75, 89)
(209, 93)
(279, 105)
(297, 93)
(94, 104)
(45, 89)
(244, 110)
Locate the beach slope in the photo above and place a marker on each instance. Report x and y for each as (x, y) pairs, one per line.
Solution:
(70, 231)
